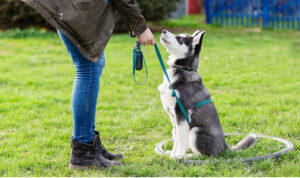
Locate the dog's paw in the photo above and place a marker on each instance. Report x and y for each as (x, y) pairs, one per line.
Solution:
(190, 155)
(176, 156)
(169, 152)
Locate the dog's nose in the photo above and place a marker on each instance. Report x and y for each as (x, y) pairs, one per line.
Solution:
(164, 31)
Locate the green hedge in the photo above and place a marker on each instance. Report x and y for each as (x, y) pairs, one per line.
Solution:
(14, 13)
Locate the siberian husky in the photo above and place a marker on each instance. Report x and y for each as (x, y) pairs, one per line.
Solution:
(203, 135)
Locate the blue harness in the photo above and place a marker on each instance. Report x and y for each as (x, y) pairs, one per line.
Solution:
(201, 103)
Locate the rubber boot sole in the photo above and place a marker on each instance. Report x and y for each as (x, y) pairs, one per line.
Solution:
(76, 167)
(71, 166)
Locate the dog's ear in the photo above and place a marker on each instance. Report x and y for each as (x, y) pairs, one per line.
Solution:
(196, 33)
(198, 37)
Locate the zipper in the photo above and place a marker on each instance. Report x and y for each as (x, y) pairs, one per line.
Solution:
(129, 24)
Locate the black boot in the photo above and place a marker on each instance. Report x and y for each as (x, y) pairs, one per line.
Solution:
(104, 152)
(88, 156)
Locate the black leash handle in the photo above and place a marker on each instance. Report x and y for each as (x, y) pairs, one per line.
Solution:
(139, 56)
(138, 59)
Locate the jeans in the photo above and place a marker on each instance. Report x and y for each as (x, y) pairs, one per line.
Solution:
(85, 92)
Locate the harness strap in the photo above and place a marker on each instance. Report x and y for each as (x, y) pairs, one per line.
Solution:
(202, 103)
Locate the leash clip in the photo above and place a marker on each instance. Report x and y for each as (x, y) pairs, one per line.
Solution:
(174, 93)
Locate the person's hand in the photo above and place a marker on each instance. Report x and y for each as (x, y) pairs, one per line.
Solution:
(146, 38)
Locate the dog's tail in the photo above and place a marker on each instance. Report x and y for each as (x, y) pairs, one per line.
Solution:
(245, 143)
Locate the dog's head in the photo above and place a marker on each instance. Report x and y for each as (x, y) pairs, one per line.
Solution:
(184, 48)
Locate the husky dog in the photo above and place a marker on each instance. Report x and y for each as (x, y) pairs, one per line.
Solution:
(203, 134)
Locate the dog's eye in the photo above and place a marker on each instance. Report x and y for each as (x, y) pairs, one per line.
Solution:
(180, 39)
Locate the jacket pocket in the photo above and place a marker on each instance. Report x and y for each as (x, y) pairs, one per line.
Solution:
(82, 18)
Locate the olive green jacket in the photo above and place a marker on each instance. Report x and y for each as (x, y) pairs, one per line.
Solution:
(89, 24)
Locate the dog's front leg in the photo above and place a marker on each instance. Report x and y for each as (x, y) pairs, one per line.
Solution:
(174, 142)
(182, 137)
(173, 121)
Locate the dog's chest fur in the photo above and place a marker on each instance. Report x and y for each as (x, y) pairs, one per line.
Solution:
(168, 101)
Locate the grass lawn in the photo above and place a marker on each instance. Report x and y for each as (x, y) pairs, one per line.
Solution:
(252, 75)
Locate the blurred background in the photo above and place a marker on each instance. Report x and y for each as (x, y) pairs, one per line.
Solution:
(275, 14)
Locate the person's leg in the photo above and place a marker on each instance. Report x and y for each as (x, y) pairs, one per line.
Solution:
(87, 150)
(85, 92)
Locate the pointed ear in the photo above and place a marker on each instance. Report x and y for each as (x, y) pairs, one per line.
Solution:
(196, 33)
(198, 38)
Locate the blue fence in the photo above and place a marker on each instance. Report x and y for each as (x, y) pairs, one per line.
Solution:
(276, 14)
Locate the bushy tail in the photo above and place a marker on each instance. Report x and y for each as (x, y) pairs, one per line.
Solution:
(245, 143)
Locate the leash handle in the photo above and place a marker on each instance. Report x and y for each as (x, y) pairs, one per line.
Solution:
(135, 53)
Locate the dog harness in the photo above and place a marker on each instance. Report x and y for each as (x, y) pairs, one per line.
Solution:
(201, 103)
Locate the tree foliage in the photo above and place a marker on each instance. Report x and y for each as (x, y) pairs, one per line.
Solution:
(15, 13)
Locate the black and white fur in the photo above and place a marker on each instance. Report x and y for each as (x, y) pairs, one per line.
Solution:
(204, 134)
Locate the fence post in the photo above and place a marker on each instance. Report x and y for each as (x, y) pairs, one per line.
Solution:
(265, 13)
(207, 11)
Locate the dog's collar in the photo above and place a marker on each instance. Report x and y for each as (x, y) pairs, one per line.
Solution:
(184, 68)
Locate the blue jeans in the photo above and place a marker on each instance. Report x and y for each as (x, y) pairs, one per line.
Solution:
(85, 92)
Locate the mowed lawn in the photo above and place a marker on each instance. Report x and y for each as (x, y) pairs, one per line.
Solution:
(252, 75)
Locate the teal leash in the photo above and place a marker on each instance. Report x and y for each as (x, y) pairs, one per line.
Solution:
(135, 50)
(173, 91)
(201, 103)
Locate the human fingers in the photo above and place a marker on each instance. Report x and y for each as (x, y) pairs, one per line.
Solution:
(150, 40)
(153, 41)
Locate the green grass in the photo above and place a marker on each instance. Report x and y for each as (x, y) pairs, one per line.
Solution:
(253, 77)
